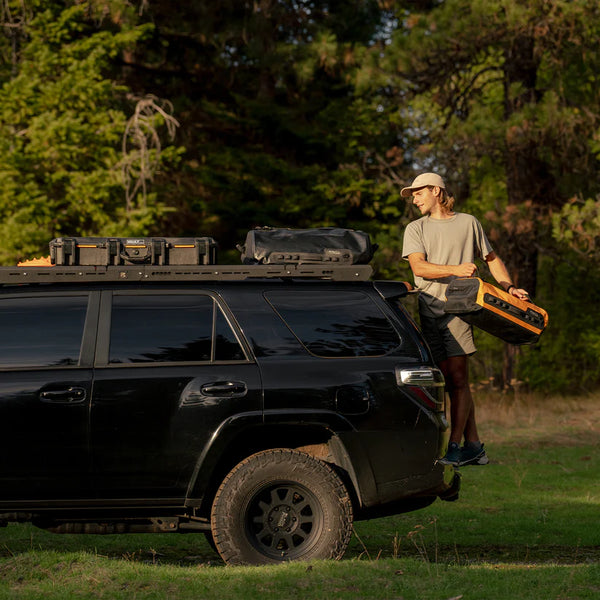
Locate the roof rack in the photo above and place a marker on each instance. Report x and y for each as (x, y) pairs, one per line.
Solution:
(151, 273)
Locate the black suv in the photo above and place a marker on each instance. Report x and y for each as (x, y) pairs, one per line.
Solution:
(266, 406)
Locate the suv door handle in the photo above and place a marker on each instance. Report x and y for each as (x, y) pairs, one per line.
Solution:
(225, 389)
(71, 395)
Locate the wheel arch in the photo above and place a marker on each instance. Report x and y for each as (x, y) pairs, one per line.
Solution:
(316, 439)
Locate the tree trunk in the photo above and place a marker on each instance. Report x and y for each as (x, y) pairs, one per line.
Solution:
(529, 183)
(526, 175)
(508, 366)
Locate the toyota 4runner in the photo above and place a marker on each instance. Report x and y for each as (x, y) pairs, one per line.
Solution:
(265, 406)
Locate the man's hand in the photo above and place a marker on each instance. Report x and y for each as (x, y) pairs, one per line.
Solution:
(519, 293)
(465, 270)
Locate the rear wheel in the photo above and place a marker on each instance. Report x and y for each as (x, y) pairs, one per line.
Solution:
(211, 542)
(281, 505)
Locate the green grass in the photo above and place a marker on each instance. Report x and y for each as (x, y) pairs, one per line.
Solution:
(64, 575)
(526, 505)
(525, 526)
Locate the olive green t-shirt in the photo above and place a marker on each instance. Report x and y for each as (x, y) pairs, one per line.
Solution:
(453, 241)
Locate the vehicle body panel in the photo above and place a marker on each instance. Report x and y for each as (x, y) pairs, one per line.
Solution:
(157, 431)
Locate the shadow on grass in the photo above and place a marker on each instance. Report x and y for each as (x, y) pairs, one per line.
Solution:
(176, 549)
(460, 554)
(193, 550)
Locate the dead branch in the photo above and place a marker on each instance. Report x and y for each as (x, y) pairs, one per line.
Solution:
(141, 146)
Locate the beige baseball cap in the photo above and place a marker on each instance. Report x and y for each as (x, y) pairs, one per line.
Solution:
(423, 180)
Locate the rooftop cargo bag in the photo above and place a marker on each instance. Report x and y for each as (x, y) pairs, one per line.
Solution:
(318, 245)
(72, 251)
(481, 304)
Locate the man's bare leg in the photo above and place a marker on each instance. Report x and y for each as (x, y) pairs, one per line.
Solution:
(462, 408)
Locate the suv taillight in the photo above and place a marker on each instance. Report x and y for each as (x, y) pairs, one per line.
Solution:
(425, 383)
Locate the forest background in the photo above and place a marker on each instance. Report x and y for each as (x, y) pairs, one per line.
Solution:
(145, 117)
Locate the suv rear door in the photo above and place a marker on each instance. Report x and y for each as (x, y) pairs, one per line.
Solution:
(350, 351)
(169, 369)
(45, 388)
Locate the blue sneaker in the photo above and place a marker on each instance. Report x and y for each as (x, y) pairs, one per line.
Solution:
(453, 455)
(473, 453)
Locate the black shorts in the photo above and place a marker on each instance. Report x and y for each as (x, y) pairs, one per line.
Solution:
(448, 336)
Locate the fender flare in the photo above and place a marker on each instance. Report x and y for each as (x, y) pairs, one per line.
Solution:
(343, 448)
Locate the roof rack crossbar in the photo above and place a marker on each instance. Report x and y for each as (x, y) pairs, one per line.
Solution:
(152, 273)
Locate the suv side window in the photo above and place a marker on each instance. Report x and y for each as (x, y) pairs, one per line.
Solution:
(41, 331)
(336, 325)
(167, 328)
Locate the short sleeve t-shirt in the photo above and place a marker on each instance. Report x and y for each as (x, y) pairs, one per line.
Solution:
(453, 241)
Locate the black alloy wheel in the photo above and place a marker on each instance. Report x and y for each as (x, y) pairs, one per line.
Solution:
(281, 505)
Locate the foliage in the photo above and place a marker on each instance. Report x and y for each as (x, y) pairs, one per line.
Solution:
(308, 113)
(504, 100)
(577, 226)
(502, 95)
(61, 125)
(567, 357)
(571, 343)
(276, 128)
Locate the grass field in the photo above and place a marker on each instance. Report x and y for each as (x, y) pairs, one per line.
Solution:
(526, 526)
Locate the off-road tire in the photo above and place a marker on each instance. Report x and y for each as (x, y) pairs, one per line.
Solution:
(211, 541)
(281, 505)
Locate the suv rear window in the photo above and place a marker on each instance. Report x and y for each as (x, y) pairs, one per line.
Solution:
(42, 331)
(336, 325)
(170, 328)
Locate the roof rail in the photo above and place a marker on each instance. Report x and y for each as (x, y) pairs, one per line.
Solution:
(151, 273)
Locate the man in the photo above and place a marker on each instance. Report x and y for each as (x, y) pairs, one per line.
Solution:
(440, 246)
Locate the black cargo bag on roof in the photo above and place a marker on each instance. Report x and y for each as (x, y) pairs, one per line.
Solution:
(108, 251)
(319, 245)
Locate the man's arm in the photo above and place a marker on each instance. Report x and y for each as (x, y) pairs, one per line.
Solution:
(500, 274)
(421, 268)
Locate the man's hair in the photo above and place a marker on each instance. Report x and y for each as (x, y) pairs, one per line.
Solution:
(445, 198)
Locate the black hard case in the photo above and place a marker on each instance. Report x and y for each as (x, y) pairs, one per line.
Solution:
(495, 311)
(318, 245)
(133, 251)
